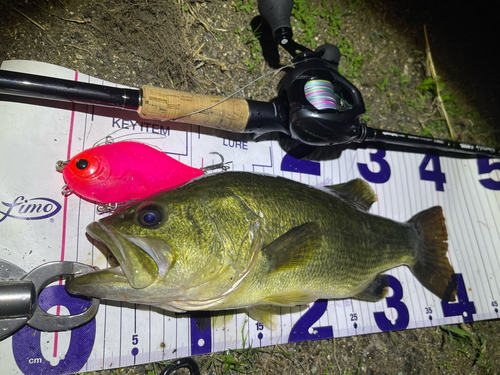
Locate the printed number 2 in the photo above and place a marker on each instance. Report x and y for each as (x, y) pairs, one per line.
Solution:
(394, 301)
(432, 175)
(300, 331)
(295, 164)
(484, 166)
(376, 177)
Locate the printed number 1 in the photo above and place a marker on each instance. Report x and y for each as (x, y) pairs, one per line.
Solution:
(201, 333)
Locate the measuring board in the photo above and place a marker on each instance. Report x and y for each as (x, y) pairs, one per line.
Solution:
(38, 224)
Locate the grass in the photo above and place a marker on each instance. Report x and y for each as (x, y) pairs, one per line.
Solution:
(250, 37)
(466, 343)
(246, 5)
(382, 85)
(352, 64)
(306, 15)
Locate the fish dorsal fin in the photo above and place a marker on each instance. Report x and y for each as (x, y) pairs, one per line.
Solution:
(357, 192)
(294, 248)
(266, 315)
(299, 297)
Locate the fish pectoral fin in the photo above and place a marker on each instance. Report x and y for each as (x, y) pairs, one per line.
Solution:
(357, 192)
(376, 290)
(294, 248)
(295, 298)
(266, 315)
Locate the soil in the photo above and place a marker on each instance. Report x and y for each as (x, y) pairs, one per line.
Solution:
(207, 47)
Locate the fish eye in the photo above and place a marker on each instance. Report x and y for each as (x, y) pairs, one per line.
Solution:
(149, 216)
(82, 164)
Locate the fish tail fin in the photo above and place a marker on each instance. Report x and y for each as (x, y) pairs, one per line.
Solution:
(432, 267)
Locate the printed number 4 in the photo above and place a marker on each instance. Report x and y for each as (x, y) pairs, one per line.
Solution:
(463, 306)
(435, 174)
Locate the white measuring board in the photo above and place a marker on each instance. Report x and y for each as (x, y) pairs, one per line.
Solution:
(38, 224)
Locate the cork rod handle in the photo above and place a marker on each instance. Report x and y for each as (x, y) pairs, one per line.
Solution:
(164, 104)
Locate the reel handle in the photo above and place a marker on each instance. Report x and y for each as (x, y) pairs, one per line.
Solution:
(277, 14)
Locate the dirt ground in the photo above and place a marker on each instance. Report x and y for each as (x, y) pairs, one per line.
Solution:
(212, 47)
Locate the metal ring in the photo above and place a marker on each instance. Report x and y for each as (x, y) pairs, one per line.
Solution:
(66, 191)
(43, 276)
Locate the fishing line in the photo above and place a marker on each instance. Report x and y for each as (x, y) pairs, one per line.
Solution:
(237, 91)
(320, 93)
(106, 138)
(109, 139)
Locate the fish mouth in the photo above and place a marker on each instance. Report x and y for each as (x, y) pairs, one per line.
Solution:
(141, 261)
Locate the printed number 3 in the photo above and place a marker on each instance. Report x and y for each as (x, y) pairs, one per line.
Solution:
(395, 302)
(376, 177)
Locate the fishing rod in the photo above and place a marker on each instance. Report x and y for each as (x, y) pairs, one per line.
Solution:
(315, 105)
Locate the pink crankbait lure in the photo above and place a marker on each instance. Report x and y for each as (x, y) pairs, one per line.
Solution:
(124, 171)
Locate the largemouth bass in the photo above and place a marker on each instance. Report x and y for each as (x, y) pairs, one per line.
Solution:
(243, 240)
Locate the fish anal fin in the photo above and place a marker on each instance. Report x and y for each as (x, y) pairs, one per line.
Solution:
(294, 248)
(357, 192)
(432, 267)
(299, 297)
(376, 290)
(266, 315)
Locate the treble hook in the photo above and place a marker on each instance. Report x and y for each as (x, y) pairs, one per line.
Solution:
(220, 165)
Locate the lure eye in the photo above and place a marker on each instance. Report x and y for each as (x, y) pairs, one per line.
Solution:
(82, 164)
(149, 216)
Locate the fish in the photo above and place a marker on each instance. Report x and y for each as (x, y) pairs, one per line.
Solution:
(122, 172)
(237, 240)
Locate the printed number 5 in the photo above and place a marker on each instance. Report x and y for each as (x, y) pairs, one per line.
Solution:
(484, 166)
